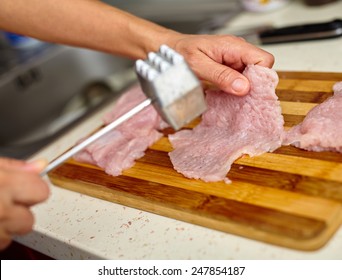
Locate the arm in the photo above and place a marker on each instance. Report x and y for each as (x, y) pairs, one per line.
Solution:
(218, 59)
(84, 23)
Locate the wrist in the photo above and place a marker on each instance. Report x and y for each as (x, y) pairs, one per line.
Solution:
(152, 36)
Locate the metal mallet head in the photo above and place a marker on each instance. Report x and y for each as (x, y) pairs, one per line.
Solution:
(166, 78)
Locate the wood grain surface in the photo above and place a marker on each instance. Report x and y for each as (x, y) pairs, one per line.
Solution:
(291, 197)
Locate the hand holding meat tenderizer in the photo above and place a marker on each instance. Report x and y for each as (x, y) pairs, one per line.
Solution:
(169, 84)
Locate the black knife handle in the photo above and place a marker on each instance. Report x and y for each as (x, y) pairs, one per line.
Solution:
(305, 32)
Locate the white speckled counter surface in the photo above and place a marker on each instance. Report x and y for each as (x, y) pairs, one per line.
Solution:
(74, 226)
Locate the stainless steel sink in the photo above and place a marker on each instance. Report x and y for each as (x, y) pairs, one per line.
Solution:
(48, 90)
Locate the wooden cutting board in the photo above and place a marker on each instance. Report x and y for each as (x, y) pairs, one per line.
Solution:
(290, 197)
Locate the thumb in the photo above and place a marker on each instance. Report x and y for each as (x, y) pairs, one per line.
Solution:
(226, 79)
(36, 165)
(33, 166)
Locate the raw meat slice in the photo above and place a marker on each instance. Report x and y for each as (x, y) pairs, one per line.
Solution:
(118, 150)
(231, 127)
(321, 130)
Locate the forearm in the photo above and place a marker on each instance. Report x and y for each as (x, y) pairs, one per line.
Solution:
(84, 23)
(92, 24)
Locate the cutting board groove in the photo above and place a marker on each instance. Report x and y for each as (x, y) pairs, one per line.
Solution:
(266, 177)
(290, 197)
(301, 96)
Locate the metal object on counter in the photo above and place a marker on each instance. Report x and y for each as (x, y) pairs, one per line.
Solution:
(169, 85)
(318, 2)
(293, 33)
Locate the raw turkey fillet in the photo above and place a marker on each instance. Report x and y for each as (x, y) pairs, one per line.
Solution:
(231, 127)
(321, 129)
(118, 150)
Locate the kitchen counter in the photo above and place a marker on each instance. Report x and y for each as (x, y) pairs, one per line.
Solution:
(75, 226)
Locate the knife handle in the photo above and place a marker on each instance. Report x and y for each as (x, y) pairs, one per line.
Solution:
(305, 32)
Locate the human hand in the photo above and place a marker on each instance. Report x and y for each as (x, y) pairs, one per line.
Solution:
(220, 59)
(20, 188)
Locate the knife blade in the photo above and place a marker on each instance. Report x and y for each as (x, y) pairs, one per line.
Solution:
(293, 33)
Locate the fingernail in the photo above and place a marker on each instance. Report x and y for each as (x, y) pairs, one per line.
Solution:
(36, 165)
(240, 86)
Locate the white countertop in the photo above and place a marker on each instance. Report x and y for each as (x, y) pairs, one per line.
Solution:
(75, 226)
